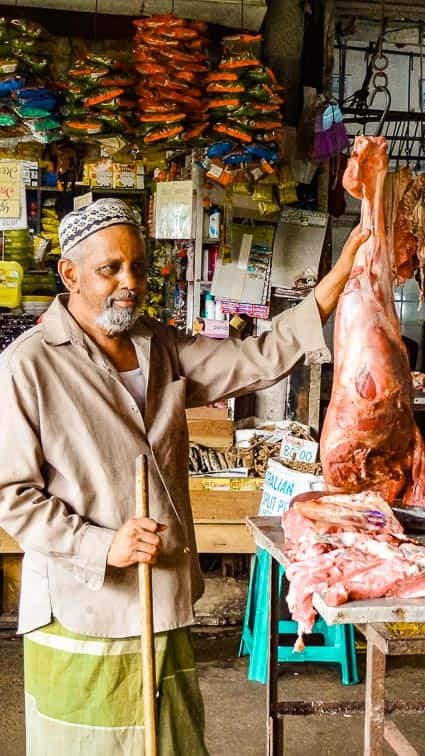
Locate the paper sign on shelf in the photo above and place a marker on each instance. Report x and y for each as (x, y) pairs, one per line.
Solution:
(13, 203)
(173, 210)
(10, 177)
(83, 200)
(298, 245)
(246, 277)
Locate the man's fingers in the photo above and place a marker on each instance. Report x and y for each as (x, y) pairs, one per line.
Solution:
(143, 558)
(149, 548)
(146, 537)
(147, 524)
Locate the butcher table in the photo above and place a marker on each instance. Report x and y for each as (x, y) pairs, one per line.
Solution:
(369, 617)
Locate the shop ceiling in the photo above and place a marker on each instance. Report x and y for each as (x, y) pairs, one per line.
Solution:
(246, 14)
(362, 17)
(396, 9)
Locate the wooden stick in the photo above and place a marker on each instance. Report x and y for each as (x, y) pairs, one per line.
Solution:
(146, 617)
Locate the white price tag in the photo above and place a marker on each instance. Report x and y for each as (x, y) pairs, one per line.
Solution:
(82, 200)
(298, 449)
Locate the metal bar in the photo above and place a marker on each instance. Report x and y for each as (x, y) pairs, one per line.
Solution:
(374, 700)
(274, 725)
(393, 115)
(358, 48)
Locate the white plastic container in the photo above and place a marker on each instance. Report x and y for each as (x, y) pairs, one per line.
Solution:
(214, 223)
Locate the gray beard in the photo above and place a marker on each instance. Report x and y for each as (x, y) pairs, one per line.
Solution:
(113, 321)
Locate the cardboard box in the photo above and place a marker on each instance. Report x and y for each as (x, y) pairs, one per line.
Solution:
(124, 175)
(30, 172)
(100, 173)
(215, 483)
(218, 434)
(207, 413)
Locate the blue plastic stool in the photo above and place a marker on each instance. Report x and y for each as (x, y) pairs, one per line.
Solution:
(338, 645)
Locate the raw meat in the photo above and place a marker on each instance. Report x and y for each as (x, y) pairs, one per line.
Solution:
(409, 232)
(366, 511)
(342, 565)
(369, 434)
(412, 587)
(400, 254)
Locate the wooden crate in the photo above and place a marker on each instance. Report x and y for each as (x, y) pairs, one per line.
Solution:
(10, 570)
(220, 506)
(210, 426)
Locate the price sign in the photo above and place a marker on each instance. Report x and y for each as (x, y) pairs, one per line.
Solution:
(13, 204)
(298, 449)
(10, 189)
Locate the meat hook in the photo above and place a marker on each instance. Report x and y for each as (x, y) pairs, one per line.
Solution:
(385, 91)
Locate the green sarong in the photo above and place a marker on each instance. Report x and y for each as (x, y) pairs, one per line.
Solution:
(83, 695)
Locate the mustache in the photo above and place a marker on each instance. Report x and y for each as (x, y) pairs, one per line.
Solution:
(132, 296)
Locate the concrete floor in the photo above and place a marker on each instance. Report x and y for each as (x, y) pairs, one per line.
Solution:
(235, 708)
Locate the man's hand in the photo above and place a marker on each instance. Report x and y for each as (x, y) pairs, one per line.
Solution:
(136, 541)
(331, 286)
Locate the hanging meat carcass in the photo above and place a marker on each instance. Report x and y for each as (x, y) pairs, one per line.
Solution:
(369, 439)
(409, 233)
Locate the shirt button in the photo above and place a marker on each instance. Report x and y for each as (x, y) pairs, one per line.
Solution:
(186, 550)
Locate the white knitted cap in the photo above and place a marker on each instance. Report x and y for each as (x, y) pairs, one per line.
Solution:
(79, 224)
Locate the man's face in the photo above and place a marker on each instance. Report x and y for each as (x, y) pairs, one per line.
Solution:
(110, 278)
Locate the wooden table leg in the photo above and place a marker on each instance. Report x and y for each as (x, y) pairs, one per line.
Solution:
(374, 699)
(274, 724)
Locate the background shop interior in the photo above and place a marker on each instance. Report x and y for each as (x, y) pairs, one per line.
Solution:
(94, 104)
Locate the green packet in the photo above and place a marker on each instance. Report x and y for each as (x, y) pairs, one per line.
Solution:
(28, 111)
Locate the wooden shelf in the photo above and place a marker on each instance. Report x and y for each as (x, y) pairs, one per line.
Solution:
(95, 189)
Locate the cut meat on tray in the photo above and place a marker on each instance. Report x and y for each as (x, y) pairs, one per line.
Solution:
(342, 549)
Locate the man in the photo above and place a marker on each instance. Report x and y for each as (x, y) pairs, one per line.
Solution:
(83, 394)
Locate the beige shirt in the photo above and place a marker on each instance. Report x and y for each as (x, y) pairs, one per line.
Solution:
(70, 434)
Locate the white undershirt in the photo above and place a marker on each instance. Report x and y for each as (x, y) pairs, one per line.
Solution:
(135, 383)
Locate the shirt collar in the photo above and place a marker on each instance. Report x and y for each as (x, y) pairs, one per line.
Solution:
(59, 327)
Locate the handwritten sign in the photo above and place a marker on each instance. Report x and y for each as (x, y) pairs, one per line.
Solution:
(10, 183)
(13, 205)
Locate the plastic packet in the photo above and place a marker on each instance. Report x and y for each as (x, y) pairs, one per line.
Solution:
(219, 149)
(234, 130)
(8, 65)
(102, 95)
(242, 183)
(83, 126)
(89, 72)
(28, 28)
(23, 45)
(7, 118)
(28, 111)
(44, 124)
(3, 27)
(10, 84)
(117, 80)
(263, 191)
(163, 132)
(225, 87)
(34, 62)
(117, 122)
